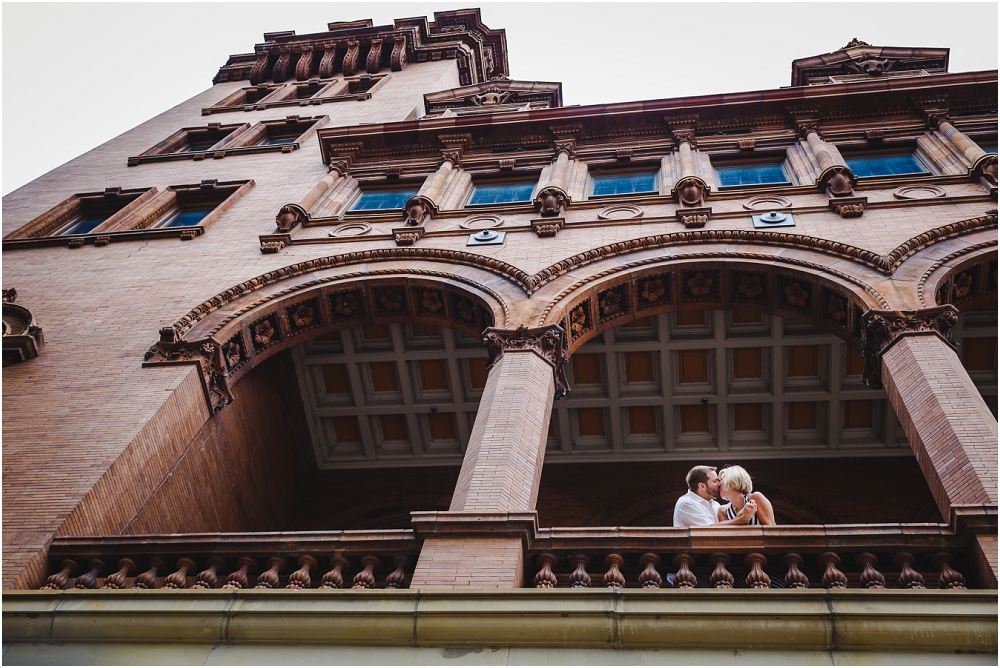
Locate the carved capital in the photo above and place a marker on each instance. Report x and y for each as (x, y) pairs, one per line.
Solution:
(567, 146)
(289, 217)
(340, 165)
(452, 155)
(883, 328)
(547, 342)
(551, 201)
(207, 354)
(685, 137)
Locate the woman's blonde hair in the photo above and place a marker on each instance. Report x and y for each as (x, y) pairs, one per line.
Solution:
(736, 479)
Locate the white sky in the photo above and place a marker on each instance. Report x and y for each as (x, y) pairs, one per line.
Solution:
(77, 75)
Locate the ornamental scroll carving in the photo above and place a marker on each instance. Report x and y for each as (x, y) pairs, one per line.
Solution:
(207, 354)
(883, 328)
(547, 342)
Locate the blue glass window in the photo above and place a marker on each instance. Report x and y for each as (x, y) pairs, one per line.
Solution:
(280, 141)
(991, 150)
(186, 218)
(383, 200)
(751, 175)
(624, 185)
(514, 192)
(86, 223)
(890, 165)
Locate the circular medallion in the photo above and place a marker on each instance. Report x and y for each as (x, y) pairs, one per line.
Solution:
(767, 203)
(619, 212)
(918, 191)
(348, 230)
(481, 222)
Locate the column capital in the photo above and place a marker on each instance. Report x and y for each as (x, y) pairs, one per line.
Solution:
(884, 328)
(207, 354)
(547, 342)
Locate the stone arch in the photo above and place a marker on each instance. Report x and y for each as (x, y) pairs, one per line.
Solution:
(236, 330)
(965, 278)
(611, 294)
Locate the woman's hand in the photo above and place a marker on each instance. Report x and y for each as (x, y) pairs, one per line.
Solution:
(747, 512)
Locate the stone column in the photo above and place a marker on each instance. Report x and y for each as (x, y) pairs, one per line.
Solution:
(480, 541)
(950, 428)
(426, 202)
(983, 163)
(835, 178)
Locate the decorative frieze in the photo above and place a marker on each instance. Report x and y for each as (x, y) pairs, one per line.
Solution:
(547, 342)
(883, 328)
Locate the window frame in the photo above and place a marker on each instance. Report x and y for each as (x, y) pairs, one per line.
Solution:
(499, 183)
(334, 89)
(362, 192)
(907, 149)
(780, 164)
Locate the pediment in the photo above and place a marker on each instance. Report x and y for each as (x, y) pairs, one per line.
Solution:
(860, 60)
(495, 95)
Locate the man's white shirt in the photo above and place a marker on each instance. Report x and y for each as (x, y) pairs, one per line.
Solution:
(693, 511)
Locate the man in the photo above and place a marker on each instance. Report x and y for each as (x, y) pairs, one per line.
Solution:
(699, 507)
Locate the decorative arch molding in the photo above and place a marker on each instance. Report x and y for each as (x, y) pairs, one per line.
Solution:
(227, 344)
(226, 297)
(798, 289)
(884, 264)
(965, 278)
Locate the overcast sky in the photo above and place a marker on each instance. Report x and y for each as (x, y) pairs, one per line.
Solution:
(77, 75)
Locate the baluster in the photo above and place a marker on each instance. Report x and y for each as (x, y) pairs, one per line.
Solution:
(238, 579)
(178, 579)
(300, 579)
(870, 577)
(650, 578)
(684, 578)
(614, 579)
(950, 578)
(794, 578)
(908, 577)
(721, 578)
(60, 580)
(757, 578)
(269, 578)
(208, 578)
(397, 579)
(579, 578)
(545, 578)
(147, 580)
(832, 577)
(117, 580)
(89, 579)
(334, 579)
(366, 578)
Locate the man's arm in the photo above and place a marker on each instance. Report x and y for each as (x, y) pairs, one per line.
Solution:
(687, 515)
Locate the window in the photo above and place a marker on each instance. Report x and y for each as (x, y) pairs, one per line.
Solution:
(624, 185)
(383, 200)
(752, 175)
(218, 141)
(502, 194)
(298, 93)
(887, 165)
(117, 215)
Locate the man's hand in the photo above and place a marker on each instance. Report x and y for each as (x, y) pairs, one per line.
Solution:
(747, 512)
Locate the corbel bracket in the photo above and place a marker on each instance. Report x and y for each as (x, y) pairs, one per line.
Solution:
(547, 342)
(882, 329)
(207, 354)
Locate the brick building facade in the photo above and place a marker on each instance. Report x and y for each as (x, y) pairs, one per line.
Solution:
(305, 340)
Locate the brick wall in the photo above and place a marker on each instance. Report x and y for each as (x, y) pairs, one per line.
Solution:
(474, 563)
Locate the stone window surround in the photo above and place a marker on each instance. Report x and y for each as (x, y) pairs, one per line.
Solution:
(138, 219)
(285, 95)
(234, 139)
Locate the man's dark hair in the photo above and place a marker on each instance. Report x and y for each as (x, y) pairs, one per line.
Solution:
(697, 475)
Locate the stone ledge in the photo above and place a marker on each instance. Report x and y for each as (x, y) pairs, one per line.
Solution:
(791, 620)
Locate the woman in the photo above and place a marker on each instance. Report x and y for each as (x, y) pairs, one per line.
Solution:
(737, 488)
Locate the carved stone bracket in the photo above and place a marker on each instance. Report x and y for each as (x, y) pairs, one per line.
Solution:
(848, 207)
(272, 243)
(883, 328)
(547, 227)
(837, 181)
(694, 217)
(207, 354)
(22, 337)
(407, 236)
(547, 342)
(691, 191)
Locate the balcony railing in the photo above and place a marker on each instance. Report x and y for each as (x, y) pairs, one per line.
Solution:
(881, 556)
